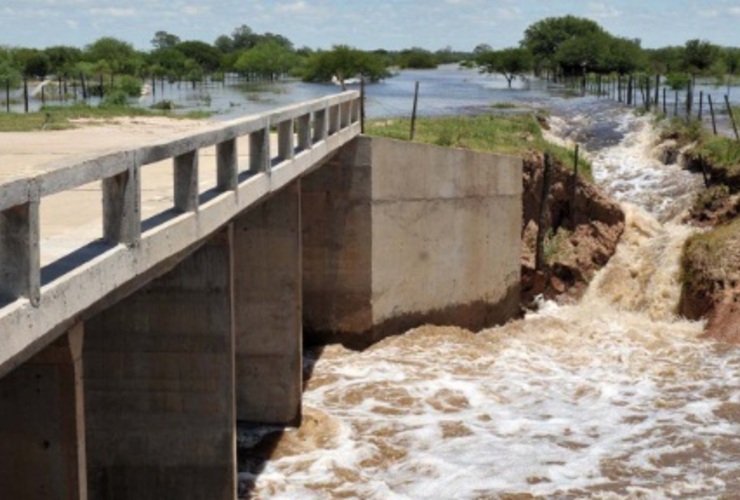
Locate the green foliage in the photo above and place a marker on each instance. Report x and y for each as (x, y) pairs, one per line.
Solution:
(678, 81)
(416, 58)
(113, 56)
(206, 56)
(9, 74)
(700, 55)
(504, 134)
(267, 59)
(344, 62)
(711, 199)
(62, 59)
(129, 85)
(544, 38)
(510, 63)
(116, 98)
(164, 40)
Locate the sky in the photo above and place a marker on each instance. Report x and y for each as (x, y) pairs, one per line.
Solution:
(364, 24)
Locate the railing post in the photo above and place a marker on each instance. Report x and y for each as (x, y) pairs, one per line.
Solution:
(320, 124)
(334, 112)
(304, 132)
(286, 140)
(259, 150)
(122, 207)
(186, 181)
(227, 165)
(20, 274)
(345, 114)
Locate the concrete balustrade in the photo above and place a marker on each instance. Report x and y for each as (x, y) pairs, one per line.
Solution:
(132, 254)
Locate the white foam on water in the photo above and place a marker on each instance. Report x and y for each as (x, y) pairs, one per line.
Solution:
(614, 397)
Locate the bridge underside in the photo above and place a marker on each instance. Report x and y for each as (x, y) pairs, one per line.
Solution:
(141, 400)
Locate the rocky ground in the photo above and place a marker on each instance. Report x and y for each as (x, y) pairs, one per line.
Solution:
(577, 244)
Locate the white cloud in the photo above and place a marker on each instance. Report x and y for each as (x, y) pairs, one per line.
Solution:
(195, 10)
(114, 12)
(602, 11)
(299, 6)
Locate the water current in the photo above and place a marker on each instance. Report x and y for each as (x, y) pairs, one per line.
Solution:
(613, 397)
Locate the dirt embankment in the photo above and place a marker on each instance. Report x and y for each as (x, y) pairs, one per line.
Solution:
(711, 259)
(577, 244)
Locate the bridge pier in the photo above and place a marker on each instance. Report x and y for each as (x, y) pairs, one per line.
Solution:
(42, 438)
(268, 311)
(159, 385)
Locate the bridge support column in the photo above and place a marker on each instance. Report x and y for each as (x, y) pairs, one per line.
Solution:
(42, 437)
(159, 375)
(267, 297)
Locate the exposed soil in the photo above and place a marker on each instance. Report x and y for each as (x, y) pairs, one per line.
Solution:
(711, 260)
(579, 241)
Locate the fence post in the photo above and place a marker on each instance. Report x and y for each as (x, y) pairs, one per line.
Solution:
(732, 117)
(541, 229)
(413, 112)
(711, 111)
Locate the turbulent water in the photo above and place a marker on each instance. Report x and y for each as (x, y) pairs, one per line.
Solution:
(614, 397)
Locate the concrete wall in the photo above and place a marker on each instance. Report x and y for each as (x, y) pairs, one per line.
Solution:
(267, 299)
(159, 385)
(401, 234)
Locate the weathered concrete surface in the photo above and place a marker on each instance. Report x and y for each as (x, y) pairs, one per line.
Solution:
(399, 234)
(268, 312)
(159, 386)
(42, 438)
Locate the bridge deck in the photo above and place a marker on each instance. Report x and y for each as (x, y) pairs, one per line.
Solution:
(151, 212)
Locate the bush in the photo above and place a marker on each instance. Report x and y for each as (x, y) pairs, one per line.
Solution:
(130, 85)
(116, 98)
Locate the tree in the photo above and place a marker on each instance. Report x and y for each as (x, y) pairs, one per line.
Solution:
(268, 59)
(119, 56)
(345, 62)
(700, 55)
(582, 53)
(544, 38)
(243, 38)
(417, 58)
(623, 56)
(510, 63)
(164, 40)
(9, 74)
(62, 59)
(206, 56)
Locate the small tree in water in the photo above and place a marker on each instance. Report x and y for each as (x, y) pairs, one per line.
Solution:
(508, 62)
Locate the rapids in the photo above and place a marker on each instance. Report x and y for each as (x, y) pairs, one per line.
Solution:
(613, 397)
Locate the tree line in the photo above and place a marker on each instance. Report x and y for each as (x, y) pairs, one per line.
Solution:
(569, 46)
(555, 48)
(265, 56)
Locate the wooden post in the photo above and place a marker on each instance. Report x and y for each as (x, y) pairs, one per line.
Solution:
(711, 111)
(689, 103)
(629, 91)
(541, 229)
(43, 95)
(619, 88)
(413, 112)
(7, 95)
(574, 191)
(362, 104)
(701, 105)
(704, 171)
(25, 94)
(665, 105)
(657, 92)
(647, 94)
(675, 105)
(732, 117)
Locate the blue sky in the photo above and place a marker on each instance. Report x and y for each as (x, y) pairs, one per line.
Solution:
(366, 24)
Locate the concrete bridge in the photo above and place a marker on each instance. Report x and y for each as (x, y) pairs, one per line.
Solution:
(130, 348)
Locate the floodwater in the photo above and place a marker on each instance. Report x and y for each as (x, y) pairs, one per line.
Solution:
(613, 397)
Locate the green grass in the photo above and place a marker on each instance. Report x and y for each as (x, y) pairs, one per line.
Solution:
(708, 256)
(60, 117)
(514, 134)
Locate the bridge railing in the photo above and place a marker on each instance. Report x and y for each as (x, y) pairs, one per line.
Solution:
(300, 129)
